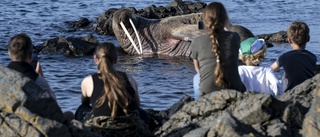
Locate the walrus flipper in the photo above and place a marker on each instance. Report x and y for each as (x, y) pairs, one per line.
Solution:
(187, 32)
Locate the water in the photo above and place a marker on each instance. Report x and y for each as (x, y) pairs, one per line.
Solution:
(162, 81)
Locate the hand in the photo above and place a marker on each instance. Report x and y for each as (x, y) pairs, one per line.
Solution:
(39, 69)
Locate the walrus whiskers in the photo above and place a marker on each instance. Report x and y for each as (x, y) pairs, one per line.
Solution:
(130, 38)
(138, 36)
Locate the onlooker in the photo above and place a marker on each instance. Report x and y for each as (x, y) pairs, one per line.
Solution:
(254, 77)
(298, 64)
(112, 94)
(215, 55)
(20, 51)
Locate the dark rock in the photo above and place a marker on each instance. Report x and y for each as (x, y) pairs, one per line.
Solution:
(278, 37)
(27, 110)
(83, 22)
(69, 46)
(231, 113)
(227, 125)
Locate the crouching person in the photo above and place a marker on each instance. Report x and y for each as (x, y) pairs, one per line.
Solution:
(113, 96)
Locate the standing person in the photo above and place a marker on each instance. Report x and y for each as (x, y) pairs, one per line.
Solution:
(254, 77)
(20, 51)
(298, 64)
(112, 94)
(215, 55)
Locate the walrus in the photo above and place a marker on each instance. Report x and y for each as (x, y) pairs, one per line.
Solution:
(170, 36)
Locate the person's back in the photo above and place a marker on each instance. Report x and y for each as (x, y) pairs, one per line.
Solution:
(207, 61)
(20, 51)
(298, 64)
(113, 96)
(215, 55)
(260, 79)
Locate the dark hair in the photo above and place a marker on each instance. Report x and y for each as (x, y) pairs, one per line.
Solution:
(20, 47)
(298, 32)
(215, 17)
(114, 83)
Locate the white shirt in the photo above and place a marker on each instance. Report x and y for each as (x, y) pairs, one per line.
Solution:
(260, 79)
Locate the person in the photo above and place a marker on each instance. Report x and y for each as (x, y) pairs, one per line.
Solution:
(112, 94)
(298, 64)
(253, 76)
(20, 52)
(215, 55)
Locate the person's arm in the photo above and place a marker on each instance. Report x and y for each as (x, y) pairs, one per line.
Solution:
(41, 82)
(134, 84)
(196, 65)
(39, 69)
(275, 84)
(86, 89)
(275, 66)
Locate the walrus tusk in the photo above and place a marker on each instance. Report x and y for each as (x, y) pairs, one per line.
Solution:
(130, 38)
(135, 31)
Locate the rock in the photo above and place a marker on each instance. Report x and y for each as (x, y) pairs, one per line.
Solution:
(69, 46)
(26, 110)
(227, 125)
(311, 122)
(231, 113)
(278, 37)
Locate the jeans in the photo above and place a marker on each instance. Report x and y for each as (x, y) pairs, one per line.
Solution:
(196, 81)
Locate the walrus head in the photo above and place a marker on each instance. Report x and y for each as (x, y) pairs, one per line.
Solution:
(125, 20)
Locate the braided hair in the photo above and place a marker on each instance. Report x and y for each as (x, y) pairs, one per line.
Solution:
(215, 18)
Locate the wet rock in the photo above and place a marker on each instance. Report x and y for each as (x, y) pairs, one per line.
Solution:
(69, 46)
(278, 37)
(83, 22)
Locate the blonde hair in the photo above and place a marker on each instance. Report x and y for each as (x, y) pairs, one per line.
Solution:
(215, 18)
(113, 82)
(255, 58)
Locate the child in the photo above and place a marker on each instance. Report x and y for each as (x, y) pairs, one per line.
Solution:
(255, 77)
(298, 64)
(215, 54)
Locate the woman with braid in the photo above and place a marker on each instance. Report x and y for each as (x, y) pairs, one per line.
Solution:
(215, 55)
(113, 96)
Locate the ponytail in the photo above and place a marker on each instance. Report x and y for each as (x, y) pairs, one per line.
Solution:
(114, 83)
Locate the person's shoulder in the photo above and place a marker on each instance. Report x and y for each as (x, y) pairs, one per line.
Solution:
(86, 79)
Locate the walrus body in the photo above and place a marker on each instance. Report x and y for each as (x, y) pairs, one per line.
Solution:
(170, 36)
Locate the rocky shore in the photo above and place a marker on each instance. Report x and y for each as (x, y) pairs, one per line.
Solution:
(26, 110)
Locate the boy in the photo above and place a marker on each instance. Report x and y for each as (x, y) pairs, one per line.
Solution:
(298, 64)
